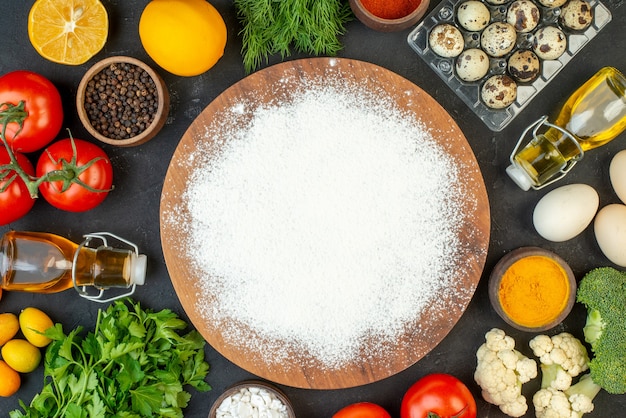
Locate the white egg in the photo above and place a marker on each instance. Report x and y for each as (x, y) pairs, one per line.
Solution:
(565, 212)
(610, 230)
(617, 172)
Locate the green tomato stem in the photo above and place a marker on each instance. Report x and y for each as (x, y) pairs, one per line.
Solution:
(68, 174)
(10, 112)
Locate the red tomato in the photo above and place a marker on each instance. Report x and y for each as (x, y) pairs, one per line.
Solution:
(15, 201)
(85, 177)
(438, 395)
(43, 106)
(362, 410)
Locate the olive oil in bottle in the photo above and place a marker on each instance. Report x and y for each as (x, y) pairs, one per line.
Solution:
(47, 263)
(594, 115)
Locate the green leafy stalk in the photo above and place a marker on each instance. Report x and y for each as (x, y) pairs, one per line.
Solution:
(275, 27)
(135, 363)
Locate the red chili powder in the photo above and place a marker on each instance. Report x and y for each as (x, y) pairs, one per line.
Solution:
(390, 9)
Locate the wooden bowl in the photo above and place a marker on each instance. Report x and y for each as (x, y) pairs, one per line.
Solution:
(388, 25)
(143, 134)
(533, 289)
(274, 391)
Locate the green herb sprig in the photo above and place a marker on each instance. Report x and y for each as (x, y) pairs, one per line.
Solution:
(134, 364)
(275, 26)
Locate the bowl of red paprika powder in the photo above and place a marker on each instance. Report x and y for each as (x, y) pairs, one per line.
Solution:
(389, 15)
(122, 101)
(532, 289)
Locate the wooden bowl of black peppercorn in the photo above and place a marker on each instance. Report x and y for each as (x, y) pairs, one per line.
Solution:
(121, 101)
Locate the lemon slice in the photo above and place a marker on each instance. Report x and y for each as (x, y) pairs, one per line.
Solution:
(68, 31)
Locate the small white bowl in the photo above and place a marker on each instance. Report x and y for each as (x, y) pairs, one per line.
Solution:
(247, 384)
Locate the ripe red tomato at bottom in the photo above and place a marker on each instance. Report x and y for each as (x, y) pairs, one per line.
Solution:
(97, 176)
(440, 395)
(15, 201)
(362, 410)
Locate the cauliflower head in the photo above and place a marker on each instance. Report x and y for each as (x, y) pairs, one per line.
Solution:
(500, 372)
(554, 403)
(562, 357)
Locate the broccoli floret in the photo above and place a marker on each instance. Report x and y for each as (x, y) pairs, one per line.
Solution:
(603, 292)
(594, 326)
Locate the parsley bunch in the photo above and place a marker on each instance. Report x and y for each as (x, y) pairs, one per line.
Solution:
(271, 26)
(134, 364)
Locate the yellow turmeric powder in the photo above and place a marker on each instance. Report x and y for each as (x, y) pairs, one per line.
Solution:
(534, 291)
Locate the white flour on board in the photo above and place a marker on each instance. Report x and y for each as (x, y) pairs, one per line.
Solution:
(321, 223)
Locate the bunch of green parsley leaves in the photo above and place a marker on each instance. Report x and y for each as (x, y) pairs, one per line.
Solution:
(275, 26)
(134, 364)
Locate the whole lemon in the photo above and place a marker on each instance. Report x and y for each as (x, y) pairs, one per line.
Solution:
(185, 37)
(10, 380)
(33, 322)
(9, 326)
(21, 355)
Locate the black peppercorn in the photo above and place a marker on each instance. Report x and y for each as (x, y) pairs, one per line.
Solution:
(121, 101)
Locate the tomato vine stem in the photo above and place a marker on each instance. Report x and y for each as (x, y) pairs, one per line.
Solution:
(10, 112)
(68, 174)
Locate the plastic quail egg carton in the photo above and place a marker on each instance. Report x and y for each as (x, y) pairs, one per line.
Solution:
(470, 92)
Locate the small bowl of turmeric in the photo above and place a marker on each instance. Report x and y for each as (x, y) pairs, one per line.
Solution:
(532, 289)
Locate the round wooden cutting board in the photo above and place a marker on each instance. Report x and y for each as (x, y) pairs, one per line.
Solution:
(277, 84)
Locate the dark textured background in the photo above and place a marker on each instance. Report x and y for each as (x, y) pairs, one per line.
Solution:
(132, 210)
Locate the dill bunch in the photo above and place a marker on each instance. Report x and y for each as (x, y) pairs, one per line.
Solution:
(275, 26)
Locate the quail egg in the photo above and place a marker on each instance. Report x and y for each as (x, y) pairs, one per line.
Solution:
(498, 39)
(446, 40)
(499, 91)
(472, 64)
(523, 66)
(496, 2)
(523, 15)
(549, 43)
(577, 14)
(552, 3)
(473, 15)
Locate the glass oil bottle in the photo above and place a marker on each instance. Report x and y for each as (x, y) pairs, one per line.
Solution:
(592, 116)
(47, 263)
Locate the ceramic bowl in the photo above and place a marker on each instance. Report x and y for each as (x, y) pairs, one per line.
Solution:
(251, 384)
(388, 25)
(532, 290)
(141, 133)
